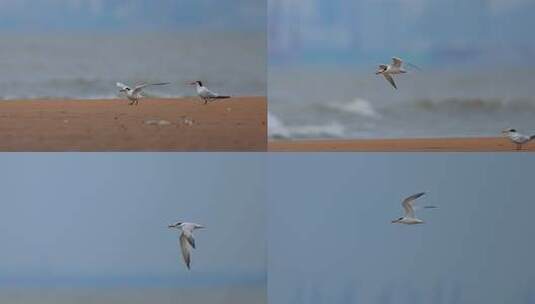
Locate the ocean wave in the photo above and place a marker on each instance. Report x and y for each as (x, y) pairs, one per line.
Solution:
(416, 117)
(357, 106)
(45, 96)
(473, 104)
(83, 88)
(82, 96)
(277, 129)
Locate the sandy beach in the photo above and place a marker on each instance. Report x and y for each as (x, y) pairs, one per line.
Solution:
(181, 124)
(481, 144)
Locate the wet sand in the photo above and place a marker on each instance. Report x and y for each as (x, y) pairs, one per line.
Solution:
(182, 124)
(482, 144)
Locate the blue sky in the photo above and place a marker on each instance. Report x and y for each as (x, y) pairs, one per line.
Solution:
(124, 15)
(102, 218)
(331, 240)
(339, 32)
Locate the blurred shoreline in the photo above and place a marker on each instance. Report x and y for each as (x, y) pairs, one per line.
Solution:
(474, 144)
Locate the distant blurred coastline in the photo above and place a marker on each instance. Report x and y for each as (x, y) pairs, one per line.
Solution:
(87, 65)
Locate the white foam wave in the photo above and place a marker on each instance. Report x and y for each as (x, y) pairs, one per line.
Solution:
(277, 129)
(357, 106)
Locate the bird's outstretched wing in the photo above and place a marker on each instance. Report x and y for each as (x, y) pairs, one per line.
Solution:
(408, 204)
(397, 62)
(184, 247)
(140, 86)
(389, 78)
(187, 231)
(189, 238)
(122, 86)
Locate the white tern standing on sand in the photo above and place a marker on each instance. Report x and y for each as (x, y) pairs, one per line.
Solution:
(135, 94)
(206, 94)
(518, 138)
(408, 205)
(186, 240)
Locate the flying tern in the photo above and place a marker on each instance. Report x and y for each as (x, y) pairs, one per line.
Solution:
(408, 205)
(205, 94)
(396, 67)
(135, 94)
(518, 138)
(186, 240)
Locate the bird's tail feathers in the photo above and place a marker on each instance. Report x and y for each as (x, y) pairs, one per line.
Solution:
(221, 97)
